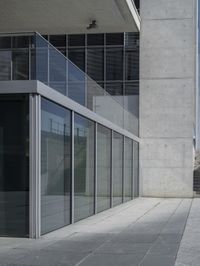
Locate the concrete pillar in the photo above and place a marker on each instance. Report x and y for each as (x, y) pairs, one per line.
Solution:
(167, 97)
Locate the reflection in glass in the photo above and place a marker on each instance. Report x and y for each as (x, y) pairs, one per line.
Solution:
(103, 168)
(55, 166)
(128, 170)
(20, 60)
(14, 166)
(136, 168)
(84, 167)
(76, 85)
(5, 65)
(117, 168)
(41, 59)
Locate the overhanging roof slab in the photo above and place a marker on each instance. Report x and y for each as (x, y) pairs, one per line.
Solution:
(68, 16)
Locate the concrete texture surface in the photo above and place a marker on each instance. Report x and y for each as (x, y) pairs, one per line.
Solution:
(167, 93)
(145, 231)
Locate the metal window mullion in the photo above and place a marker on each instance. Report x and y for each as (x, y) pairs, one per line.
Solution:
(95, 169)
(29, 58)
(111, 171)
(86, 76)
(104, 59)
(48, 64)
(123, 170)
(35, 166)
(72, 167)
(133, 173)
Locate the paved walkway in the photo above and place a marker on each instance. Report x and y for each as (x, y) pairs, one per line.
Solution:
(145, 232)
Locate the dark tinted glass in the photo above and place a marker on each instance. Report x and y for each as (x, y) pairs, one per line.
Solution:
(77, 56)
(84, 167)
(20, 65)
(132, 88)
(95, 63)
(114, 88)
(95, 39)
(58, 40)
(103, 168)
(132, 40)
(114, 64)
(20, 42)
(117, 168)
(114, 39)
(55, 166)
(5, 65)
(5, 42)
(128, 170)
(76, 84)
(76, 40)
(132, 65)
(14, 166)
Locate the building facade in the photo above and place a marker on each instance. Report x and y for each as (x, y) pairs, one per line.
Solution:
(99, 105)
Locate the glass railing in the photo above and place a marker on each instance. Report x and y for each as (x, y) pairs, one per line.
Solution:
(50, 66)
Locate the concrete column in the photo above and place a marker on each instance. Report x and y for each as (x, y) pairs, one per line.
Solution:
(167, 97)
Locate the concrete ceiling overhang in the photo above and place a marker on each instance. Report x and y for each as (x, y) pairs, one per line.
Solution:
(68, 16)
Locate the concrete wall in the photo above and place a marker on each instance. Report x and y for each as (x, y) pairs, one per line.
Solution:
(167, 69)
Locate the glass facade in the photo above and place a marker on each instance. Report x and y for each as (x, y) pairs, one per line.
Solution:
(55, 166)
(84, 178)
(91, 170)
(128, 169)
(103, 71)
(103, 168)
(14, 166)
(117, 168)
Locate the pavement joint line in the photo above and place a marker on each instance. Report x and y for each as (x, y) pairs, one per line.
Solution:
(191, 203)
(148, 251)
(90, 254)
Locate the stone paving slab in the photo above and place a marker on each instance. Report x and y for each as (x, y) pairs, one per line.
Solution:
(189, 251)
(145, 231)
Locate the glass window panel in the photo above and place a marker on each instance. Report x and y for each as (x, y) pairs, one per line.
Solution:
(76, 40)
(95, 39)
(84, 167)
(57, 66)
(136, 169)
(114, 88)
(132, 88)
(132, 40)
(20, 64)
(14, 166)
(58, 40)
(128, 170)
(95, 63)
(41, 59)
(5, 65)
(117, 168)
(20, 42)
(5, 42)
(77, 56)
(76, 84)
(55, 166)
(114, 38)
(103, 168)
(114, 64)
(131, 65)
